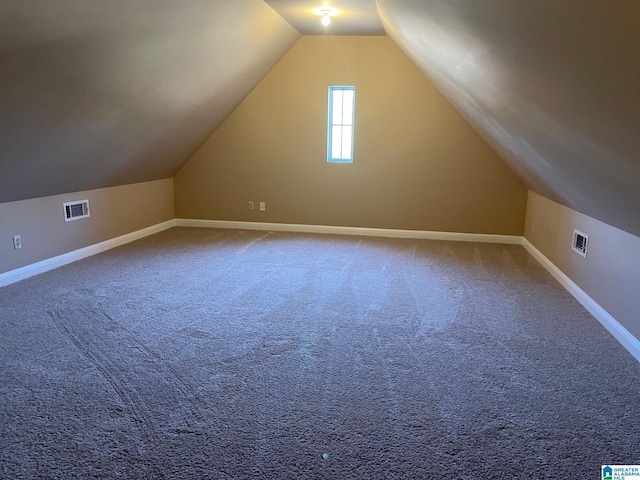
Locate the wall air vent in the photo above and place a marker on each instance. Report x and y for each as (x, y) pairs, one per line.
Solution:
(580, 241)
(76, 210)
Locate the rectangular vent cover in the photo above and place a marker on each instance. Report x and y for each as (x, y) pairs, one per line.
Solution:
(76, 210)
(580, 241)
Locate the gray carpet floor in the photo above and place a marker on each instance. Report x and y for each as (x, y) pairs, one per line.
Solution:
(223, 354)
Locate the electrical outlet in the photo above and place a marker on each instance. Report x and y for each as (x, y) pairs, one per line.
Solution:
(263, 206)
(250, 205)
(17, 242)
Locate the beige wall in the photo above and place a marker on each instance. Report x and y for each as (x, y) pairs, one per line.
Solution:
(610, 274)
(115, 211)
(418, 164)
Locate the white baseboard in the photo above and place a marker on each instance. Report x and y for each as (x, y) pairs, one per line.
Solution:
(631, 343)
(27, 271)
(18, 274)
(361, 231)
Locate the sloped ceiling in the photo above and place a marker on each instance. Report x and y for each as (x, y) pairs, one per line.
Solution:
(353, 17)
(95, 93)
(553, 85)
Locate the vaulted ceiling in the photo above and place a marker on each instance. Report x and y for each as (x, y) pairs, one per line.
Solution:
(553, 85)
(95, 93)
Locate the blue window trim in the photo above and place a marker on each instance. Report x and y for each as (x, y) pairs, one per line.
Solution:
(333, 88)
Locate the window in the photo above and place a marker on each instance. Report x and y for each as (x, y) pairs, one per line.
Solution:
(342, 102)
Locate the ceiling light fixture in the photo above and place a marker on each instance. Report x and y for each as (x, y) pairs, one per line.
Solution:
(326, 11)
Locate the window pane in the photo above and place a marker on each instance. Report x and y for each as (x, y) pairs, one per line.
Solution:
(337, 107)
(347, 133)
(340, 124)
(347, 113)
(336, 141)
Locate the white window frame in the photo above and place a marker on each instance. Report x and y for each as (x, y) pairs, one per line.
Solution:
(346, 155)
